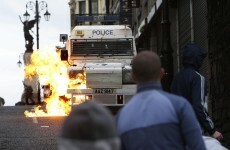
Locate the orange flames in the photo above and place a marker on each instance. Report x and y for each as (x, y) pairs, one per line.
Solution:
(50, 70)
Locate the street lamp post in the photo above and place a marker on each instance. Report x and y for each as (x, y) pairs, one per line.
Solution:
(166, 49)
(37, 7)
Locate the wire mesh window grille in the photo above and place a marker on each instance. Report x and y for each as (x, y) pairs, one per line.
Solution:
(109, 47)
(200, 32)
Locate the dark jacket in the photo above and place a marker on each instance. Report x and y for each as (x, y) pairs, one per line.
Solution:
(192, 85)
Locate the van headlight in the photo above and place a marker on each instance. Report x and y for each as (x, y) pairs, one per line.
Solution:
(76, 77)
(127, 76)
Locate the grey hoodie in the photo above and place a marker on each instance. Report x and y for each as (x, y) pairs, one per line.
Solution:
(89, 126)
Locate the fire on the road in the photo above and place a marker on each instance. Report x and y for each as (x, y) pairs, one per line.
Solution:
(50, 70)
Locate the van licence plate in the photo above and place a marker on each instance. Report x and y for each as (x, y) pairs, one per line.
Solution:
(103, 91)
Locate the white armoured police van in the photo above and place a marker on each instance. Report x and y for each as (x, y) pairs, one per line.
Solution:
(102, 54)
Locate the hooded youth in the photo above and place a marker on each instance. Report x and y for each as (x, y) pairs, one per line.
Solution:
(190, 84)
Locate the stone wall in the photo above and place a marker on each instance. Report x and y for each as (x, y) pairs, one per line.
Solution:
(33, 83)
(219, 56)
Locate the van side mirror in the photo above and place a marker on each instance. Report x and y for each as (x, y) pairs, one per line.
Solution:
(64, 55)
(63, 38)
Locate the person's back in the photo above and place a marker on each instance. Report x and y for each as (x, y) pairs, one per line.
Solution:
(190, 84)
(185, 80)
(154, 119)
(158, 120)
(89, 126)
(182, 83)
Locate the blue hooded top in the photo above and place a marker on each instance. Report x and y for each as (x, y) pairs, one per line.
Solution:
(193, 56)
(192, 86)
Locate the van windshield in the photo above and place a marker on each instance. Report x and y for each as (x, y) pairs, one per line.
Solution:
(113, 47)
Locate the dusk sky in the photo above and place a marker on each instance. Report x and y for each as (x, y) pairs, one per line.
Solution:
(13, 43)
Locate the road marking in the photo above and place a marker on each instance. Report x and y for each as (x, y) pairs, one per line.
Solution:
(35, 120)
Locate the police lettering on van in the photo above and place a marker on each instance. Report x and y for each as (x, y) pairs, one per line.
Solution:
(102, 32)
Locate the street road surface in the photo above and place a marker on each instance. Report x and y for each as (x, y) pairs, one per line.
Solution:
(18, 132)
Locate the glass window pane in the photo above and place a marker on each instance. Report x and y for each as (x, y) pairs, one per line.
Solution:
(94, 6)
(82, 7)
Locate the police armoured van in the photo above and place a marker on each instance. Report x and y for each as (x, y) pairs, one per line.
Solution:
(100, 58)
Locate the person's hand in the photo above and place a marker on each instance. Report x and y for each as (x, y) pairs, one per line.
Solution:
(217, 135)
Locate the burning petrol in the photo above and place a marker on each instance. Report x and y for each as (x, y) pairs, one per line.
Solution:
(50, 71)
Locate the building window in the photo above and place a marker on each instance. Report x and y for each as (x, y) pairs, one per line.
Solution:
(82, 7)
(94, 6)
